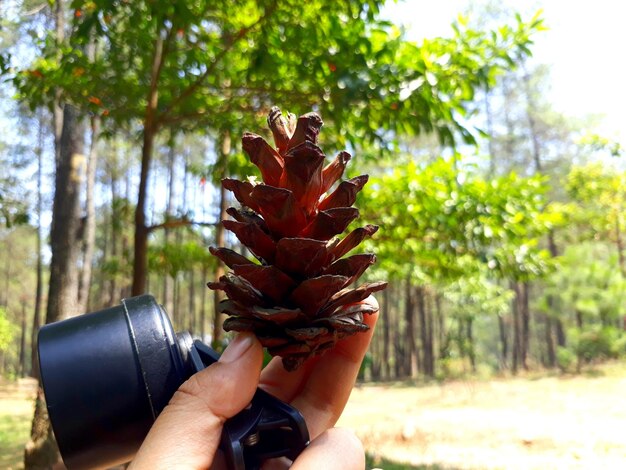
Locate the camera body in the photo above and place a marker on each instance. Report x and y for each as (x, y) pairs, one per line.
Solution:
(107, 375)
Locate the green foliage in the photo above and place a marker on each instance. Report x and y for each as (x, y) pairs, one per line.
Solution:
(475, 295)
(587, 289)
(598, 193)
(12, 212)
(13, 196)
(119, 217)
(599, 343)
(18, 280)
(565, 358)
(173, 258)
(8, 330)
(217, 64)
(587, 281)
(121, 214)
(117, 266)
(435, 218)
(603, 145)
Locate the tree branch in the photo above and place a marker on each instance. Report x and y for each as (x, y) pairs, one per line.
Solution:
(268, 92)
(211, 67)
(175, 223)
(199, 114)
(161, 48)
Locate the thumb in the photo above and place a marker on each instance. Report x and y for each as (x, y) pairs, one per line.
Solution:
(187, 432)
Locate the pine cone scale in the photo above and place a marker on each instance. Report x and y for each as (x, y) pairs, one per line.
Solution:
(269, 280)
(263, 156)
(282, 128)
(252, 236)
(279, 209)
(334, 170)
(313, 293)
(303, 257)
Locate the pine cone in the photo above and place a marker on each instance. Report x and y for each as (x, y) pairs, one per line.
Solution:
(296, 298)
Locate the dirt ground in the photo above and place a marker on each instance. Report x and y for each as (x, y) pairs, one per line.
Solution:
(546, 423)
(524, 423)
(16, 411)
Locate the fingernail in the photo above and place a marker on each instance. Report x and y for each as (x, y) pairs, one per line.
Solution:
(237, 347)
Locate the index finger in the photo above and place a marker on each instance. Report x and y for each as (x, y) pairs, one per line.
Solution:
(328, 387)
(321, 387)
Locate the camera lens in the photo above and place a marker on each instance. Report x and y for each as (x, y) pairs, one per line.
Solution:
(106, 377)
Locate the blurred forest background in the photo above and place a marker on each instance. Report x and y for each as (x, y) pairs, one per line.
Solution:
(502, 220)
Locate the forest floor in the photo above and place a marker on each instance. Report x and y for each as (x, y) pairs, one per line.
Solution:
(545, 422)
(17, 403)
(540, 422)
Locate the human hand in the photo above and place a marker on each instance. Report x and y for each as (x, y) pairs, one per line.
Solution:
(187, 433)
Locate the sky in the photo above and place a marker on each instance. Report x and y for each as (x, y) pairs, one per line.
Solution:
(584, 45)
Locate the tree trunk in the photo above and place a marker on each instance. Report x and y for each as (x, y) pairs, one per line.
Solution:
(140, 260)
(64, 242)
(57, 108)
(549, 322)
(150, 128)
(619, 245)
(167, 281)
(430, 331)
(124, 288)
(504, 343)
(203, 292)
(89, 231)
(89, 224)
(399, 347)
(7, 279)
(551, 355)
(41, 451)
(176, 314)
(376, 363)
(385, 315)
(107, 220)
(39, 283)
(440, 322)
(112, 297)
(525, 317)
(115, 198)
(203, 305)
(192, 301)
(412, 365)
(471, 352)
(460, 335)
(517, 328)
(428, 365)
(22, 371)
(181, 236)
(180, 315)
(220, 237)
(560, 334)
(579, 325)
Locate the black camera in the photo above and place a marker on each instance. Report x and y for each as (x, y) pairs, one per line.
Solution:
(107, 375)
